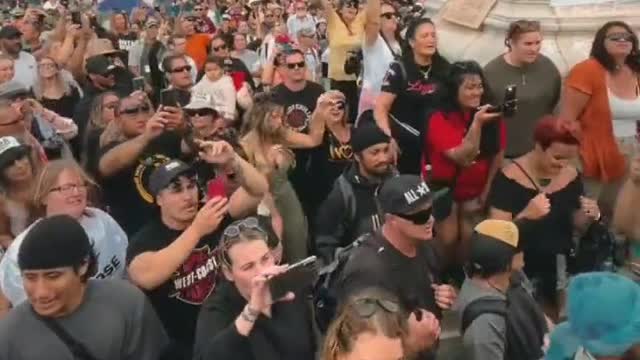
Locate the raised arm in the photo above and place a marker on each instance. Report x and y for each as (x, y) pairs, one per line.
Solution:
(150, 269)
(466, 152)
(372, 25)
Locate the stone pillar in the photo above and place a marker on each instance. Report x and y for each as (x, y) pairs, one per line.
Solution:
(568, 31)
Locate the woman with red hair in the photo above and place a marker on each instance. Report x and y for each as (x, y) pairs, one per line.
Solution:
(545, 192)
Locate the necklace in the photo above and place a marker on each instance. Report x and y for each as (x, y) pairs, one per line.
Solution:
(425, 73)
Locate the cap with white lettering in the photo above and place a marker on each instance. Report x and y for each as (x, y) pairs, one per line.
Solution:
(403, 194)
(166, 173)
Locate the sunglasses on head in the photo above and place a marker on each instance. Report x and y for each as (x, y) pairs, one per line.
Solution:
(218, 48)
(298, 65)
(234, 229)
(390, 15)
(199, 112)
(181, 69)
(420, 218)
(620, 37)
(136, 110)
(366, 308)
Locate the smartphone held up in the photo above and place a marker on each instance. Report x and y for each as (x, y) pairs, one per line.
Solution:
(297, 277)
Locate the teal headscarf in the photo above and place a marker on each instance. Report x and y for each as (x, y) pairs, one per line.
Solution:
(603, 317)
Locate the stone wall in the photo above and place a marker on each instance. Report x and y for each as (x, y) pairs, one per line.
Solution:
(568, 31)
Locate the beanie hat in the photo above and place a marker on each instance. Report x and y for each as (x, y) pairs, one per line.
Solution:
(367, 135)
(54, 242)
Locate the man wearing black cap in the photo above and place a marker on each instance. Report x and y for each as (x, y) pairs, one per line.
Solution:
(350, 208)
(25, 65)
(491, 329)
(173, 258)
(66, 313)
(400, 259)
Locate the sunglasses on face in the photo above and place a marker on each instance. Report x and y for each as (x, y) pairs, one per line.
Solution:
(352, 5)
(420, 218)
(390, 15)
(199, 112)
(191, 19)
(620, 37)
(218, 48)
(181, 69)
(136, 110)
(298, 65)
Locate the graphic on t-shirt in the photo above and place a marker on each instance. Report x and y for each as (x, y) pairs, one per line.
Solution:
(142, 173)
(126, 44)
(340, 152)
(196, 278)
(297, 117)
(421, 88)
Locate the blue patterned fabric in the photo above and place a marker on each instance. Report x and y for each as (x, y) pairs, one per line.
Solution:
(603, 317)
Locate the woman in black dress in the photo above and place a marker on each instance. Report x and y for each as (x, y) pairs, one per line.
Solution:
(543, 192)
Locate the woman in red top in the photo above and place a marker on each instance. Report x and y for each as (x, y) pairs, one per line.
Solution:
(464, 145)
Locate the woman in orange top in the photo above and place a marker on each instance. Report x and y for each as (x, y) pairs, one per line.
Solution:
(603, 95)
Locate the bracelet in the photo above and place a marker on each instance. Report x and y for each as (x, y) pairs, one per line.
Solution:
(251, 312)
(246, 317)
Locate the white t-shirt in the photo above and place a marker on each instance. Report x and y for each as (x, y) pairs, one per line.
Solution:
(376, 60)
(109, 243)
(295, 24)
(26, 69)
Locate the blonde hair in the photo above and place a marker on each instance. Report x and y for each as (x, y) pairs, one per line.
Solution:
(345, 329)
(65, 83)
(255, 129)
(48, 178)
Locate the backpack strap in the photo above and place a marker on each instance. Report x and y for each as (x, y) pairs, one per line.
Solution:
(348, 197)
(77, 349)
(403, 69)
(482, 306)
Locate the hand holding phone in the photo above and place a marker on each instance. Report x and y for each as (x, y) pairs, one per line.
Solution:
(295, 278)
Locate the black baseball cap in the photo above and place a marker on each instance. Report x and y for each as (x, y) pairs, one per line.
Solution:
(10, 32)
(100, 65)
(493, 245)
(404, 194)
(165, 174)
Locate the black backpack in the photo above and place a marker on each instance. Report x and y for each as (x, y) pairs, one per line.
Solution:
(325, 297)
(482, 306)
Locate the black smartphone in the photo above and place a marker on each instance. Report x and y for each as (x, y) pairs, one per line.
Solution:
(510, 104)
(76, 18)
(297, 277)
(138, 83)
(168, 97)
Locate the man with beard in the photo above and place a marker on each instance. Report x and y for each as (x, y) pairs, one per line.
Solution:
(350, 209)
(25, 65)
(173, 258)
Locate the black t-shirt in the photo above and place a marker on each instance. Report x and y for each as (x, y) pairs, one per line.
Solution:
(328, 162)
(376, 263)
(125, 43)
(298, 108)
(126, 193)
(418, 91)
(64, 105)
(177, 301)
(542, 239)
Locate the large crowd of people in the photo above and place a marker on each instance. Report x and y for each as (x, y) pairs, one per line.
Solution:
(280, 180)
